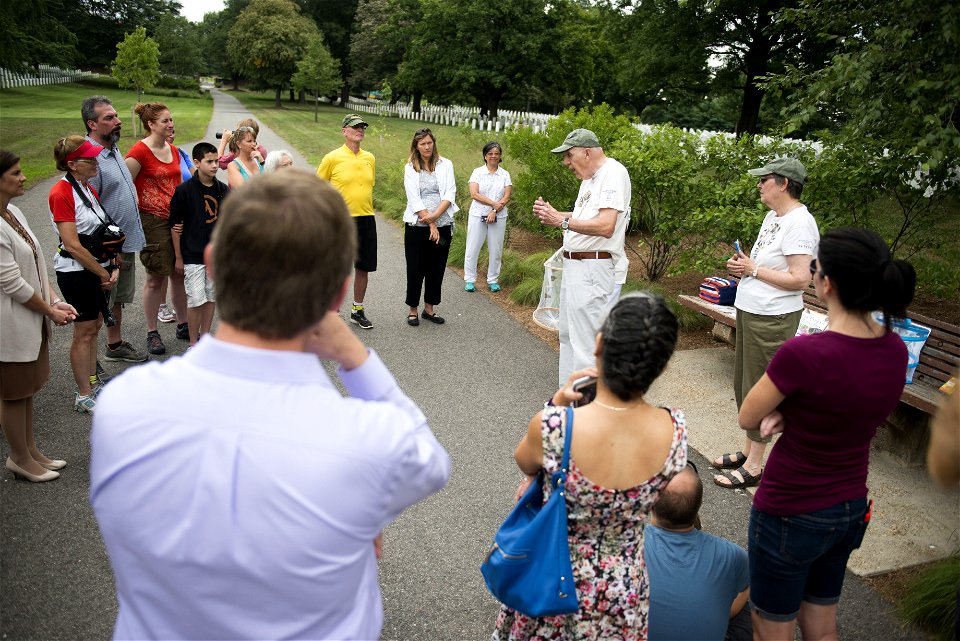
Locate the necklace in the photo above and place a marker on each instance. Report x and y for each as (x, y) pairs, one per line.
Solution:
(613, 408)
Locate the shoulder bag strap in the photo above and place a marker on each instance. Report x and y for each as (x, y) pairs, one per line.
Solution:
(86, 201)
(567, 434)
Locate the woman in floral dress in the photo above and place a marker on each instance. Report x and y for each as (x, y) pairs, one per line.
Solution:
(623, 452)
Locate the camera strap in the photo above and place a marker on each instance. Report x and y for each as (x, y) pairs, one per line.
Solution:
(86, 201)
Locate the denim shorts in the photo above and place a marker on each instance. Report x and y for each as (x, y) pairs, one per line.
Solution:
(802, 558)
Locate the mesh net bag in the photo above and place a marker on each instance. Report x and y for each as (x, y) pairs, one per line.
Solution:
(547, 314)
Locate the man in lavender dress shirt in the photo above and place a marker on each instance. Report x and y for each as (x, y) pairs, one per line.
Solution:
(239, 494)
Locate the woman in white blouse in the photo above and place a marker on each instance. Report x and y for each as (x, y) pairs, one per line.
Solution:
(490, 189)
(428, 224)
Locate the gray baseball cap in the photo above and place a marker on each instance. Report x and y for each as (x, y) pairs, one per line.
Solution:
(783, 166)
(352, 121)
(577, 138)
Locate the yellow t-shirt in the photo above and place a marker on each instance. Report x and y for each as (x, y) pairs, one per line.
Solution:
(353, 175)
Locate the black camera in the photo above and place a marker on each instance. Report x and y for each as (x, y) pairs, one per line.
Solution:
(218, 135)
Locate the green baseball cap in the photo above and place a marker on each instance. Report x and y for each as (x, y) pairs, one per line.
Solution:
(790, 168)
(577, 138)
(353, 120)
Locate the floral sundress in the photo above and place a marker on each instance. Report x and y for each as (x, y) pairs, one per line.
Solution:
(605, 529)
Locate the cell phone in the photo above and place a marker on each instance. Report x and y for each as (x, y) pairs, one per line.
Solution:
(586, 386)
(736, 245)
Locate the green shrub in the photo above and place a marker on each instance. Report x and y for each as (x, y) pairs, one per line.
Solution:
(527, 292)
(931, 599)
(171, 82)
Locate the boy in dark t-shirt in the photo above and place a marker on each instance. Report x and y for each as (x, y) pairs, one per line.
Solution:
(194, 209)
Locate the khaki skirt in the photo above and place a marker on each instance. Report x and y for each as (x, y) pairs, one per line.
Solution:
(23, 380)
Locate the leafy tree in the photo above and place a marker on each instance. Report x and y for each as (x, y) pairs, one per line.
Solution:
(498, 48)
(214, 36)
(335, 19)
(268, 39)
(317, 71)
(137, 65)
(179, 41)
(891, 93)
(375, 52)
(661, 55)
(35, 33)
(102, 23)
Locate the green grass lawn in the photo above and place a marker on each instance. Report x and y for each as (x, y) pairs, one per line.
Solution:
(32, 119)
(387, 138)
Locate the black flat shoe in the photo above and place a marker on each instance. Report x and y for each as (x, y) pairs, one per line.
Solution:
(412, 320)
(433, 318)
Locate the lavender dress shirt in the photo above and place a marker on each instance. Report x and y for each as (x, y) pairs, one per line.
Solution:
(239, 493)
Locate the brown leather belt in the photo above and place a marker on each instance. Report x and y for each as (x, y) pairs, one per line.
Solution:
(586, 255)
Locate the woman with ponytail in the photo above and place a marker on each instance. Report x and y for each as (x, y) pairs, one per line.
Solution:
(827, 393)
(623, 451)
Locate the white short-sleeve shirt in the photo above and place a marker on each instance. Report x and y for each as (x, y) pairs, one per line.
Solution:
(793, 233)
(608, 188)
(492, 185)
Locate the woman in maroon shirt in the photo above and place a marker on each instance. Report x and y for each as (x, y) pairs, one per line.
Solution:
(827, 393)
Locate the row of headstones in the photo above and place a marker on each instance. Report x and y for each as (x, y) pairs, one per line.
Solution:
(45, 75)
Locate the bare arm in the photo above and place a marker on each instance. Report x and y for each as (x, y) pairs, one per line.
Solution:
(234, 179)
(762, 401)
(133, 165)
(529, 453)
(739, 602)
(603, 224)
(943, 455)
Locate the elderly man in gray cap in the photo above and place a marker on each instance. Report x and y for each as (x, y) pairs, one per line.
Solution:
(594, 264)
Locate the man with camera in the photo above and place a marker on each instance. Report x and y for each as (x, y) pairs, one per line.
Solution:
(118, 197)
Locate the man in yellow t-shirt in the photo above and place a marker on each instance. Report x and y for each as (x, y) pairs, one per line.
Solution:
(352, 171)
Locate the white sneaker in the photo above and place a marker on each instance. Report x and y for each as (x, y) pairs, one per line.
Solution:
(165, 314)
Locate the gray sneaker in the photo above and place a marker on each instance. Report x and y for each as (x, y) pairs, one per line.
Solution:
(125, 353)
(155, 343)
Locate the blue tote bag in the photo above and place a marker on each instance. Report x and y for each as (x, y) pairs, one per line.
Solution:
(528, 567)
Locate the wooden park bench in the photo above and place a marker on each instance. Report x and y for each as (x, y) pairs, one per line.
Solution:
(939, 358)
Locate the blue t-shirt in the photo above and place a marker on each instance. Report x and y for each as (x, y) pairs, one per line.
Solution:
(694, 578)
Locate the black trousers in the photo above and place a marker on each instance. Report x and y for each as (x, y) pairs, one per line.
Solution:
(426, 263)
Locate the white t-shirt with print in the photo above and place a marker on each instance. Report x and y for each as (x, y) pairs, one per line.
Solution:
(793, 233)
(609, 188)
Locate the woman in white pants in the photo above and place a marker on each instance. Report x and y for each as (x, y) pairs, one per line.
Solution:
(490, 189)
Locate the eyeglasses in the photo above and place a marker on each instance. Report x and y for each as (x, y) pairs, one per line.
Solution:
(764, 179)
(84, 160)
(814, 269)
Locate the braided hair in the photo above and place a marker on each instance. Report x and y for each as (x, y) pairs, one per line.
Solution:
(639, 336)
(859, 265)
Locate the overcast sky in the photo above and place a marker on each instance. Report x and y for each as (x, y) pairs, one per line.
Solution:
(193, 10)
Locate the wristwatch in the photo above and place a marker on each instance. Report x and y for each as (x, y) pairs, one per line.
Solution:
(565, 225)
(755, 270)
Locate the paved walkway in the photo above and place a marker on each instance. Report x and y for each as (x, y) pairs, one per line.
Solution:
(478, 378)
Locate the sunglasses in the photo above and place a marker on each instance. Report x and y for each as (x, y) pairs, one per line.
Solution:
(814, 269)
(764, 179)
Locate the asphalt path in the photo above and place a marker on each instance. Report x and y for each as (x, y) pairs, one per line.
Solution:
(478, 378)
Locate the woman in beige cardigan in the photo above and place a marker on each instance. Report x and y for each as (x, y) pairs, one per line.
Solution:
(26, 301)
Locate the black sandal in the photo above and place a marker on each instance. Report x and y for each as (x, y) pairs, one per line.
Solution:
(433, 318)
(730, 461)
(746, 479)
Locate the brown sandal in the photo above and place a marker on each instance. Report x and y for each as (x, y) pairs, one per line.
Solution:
(746, 479)
(730, 461)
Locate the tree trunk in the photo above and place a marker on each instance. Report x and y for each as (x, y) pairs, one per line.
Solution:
(302, 98)
(236, 81)
(344, 95)
(417, 97)
(292, 96)
(755, 66)
(276, 96)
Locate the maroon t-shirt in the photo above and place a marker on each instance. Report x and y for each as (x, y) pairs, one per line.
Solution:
(839, 390)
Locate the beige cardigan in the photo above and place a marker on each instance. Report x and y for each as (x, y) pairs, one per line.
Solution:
(20, 328)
